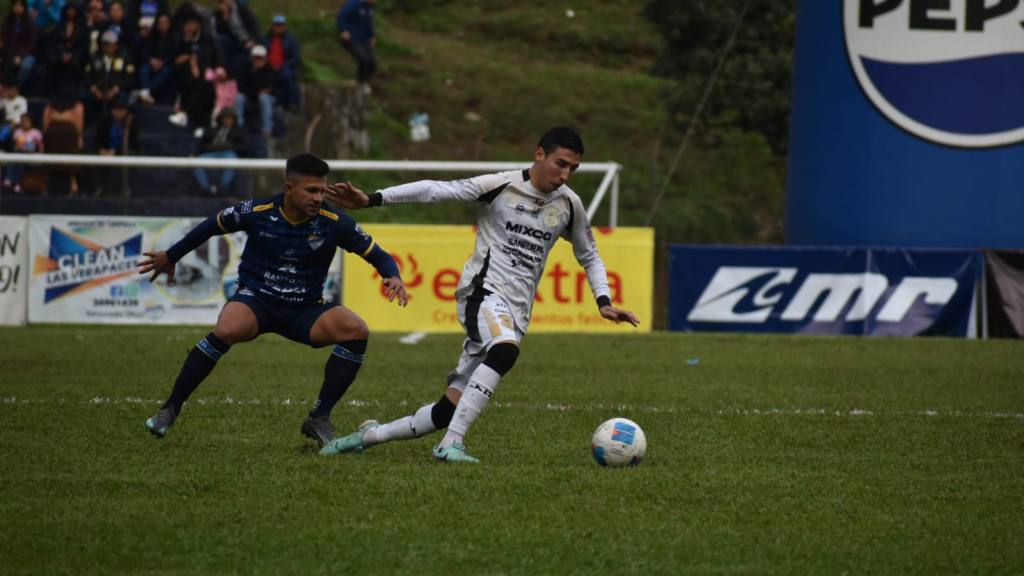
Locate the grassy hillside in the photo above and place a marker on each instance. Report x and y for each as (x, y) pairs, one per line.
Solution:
(493, 75)
(519, 67)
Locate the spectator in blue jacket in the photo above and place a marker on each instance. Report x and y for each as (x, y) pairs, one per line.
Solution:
(355, 29)
(284, 57)
(46, 14)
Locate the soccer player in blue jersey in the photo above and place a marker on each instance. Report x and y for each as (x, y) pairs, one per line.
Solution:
(291, 242)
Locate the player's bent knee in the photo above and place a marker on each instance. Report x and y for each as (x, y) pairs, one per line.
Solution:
(442, 412)
(502, 357)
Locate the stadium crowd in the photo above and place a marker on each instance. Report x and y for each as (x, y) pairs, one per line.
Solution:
(136, 77)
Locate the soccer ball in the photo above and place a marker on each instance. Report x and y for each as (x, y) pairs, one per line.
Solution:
(618, 442)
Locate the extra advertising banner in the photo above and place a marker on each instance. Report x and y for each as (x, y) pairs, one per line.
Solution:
(880, 292)
(85, 270)
(907, 125)
(1004, 291)
(431, 260)
(13, 270)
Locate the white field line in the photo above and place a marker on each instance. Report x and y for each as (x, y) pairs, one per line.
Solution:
(549, 407)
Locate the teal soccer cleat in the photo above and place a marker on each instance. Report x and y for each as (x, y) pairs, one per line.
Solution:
(160, 423)
(453, 453)
(351, 443)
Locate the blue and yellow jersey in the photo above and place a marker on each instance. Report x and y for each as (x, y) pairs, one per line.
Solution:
(286, 261)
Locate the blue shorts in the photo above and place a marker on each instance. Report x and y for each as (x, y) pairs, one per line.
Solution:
(292, 322)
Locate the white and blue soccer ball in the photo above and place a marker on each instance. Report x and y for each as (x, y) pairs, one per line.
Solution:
(618, 442)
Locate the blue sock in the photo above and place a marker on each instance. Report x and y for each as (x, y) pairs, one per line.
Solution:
(340, 371)
(198, 365)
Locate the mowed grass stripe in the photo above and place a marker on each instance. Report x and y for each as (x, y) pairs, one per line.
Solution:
(749, 468)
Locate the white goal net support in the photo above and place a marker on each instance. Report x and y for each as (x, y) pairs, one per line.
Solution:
(608, 187)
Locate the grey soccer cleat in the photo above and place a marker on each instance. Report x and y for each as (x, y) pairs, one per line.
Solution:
(160, 423)
(318, 428)
(351, 443)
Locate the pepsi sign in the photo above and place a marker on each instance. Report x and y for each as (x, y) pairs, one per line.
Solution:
(823, 290)
(947, 71)
(907, 124)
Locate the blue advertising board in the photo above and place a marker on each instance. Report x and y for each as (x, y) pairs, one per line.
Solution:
(881, 292)
(907, 124)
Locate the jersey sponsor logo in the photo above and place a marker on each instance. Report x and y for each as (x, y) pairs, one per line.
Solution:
(230, 215)
(315, 241)
(362, 233)
(947, 71)
(245, 207)
(525, 230)
(751, 295)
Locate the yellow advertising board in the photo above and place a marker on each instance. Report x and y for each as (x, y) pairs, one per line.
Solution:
(431, 260)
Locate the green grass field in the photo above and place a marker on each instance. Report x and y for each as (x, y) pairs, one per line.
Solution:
(772, 455)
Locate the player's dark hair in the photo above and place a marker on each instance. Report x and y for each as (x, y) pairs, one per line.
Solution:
(561, 137)
(306, 165)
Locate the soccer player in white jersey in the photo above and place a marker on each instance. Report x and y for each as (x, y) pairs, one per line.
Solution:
(523, 213)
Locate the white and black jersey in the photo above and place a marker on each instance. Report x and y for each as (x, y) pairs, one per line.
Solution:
(517, 228)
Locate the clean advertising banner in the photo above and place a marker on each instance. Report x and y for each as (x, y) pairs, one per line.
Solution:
(13, 273)
(881, 292)
(431, 260)
(85, 270)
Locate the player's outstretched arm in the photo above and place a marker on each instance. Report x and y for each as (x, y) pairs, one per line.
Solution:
(347, 196)
(618, 315)
(396, 289)
(158, 264)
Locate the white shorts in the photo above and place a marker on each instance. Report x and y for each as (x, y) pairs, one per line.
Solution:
(487, 321)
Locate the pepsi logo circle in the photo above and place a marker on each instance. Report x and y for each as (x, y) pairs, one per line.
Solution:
(947, 71)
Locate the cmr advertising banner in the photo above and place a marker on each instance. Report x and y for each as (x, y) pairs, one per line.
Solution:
(84, 269)
(879, 292)
(907, 124)
(431, 260)
(13, 274)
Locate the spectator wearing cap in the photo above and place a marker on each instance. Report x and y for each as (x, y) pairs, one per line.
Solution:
(110, 74)
(358, 38)
(256, 88)
(237, 32)
(284, 56)
(154, 55)
(226, 140)
(19, 40)
(135, 11)
(116, 135)
(116, 21)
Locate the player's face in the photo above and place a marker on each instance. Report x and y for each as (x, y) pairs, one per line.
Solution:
(305, 194)
(552, 170)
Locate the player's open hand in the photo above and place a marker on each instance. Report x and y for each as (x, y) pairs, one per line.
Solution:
(619, 315)
(158, 264)
(347, 196)
(396, 289)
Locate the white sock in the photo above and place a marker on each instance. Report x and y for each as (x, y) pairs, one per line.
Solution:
(474, 399)
(418, 424)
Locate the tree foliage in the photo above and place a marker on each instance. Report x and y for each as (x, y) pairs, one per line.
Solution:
(752, 92)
